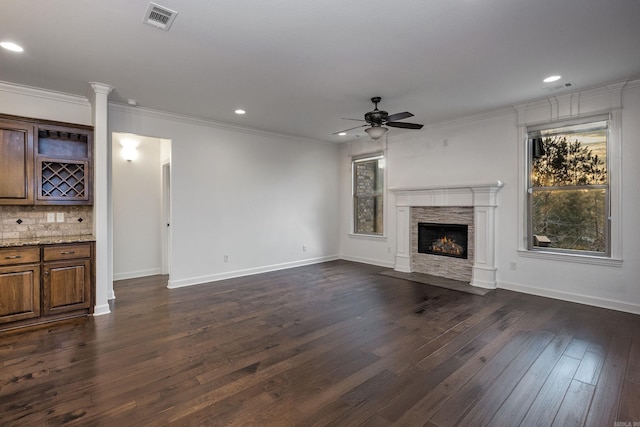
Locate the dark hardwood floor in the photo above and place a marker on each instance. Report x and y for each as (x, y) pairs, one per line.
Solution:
(330, 344)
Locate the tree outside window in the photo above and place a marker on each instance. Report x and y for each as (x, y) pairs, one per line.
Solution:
(368, 195)
(569, 188)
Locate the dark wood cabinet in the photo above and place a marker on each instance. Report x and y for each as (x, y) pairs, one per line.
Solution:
(19, 293)
(66, 284)
(45, 163)
(19, 284)
(16, 163)
(64, 289)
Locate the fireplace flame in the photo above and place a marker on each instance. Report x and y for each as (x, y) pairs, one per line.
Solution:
(445, 245)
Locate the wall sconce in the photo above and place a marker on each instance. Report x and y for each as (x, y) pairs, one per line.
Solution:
(129, 149)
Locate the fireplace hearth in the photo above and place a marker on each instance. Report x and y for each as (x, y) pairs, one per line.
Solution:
(443, 239)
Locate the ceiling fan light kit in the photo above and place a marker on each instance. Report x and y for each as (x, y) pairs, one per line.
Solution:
(377, 118)
(376, 132)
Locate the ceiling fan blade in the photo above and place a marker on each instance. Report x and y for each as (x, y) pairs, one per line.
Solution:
(347, 130)
(355, 120)
(399, 116)
(404, 125)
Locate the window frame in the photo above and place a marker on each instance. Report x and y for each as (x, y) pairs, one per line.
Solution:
(377, 156)
(534, 131)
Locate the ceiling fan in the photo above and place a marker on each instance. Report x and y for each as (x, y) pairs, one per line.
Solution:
(377, 118)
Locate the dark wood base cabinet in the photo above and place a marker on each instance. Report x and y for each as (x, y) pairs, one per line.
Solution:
(41, 284)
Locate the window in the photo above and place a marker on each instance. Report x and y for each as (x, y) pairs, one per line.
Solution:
(568, 200)
(368, 194)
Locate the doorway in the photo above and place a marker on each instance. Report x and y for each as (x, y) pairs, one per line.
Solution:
(141, 205)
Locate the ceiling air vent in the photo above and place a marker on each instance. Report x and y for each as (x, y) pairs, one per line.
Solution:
(159, 16)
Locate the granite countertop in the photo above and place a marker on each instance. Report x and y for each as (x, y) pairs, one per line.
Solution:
(52, 240)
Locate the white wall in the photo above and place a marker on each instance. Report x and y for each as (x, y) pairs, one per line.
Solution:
(485, 149)
(136, 209)
(255, 197)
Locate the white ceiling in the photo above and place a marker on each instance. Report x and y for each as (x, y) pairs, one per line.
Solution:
(298, 66)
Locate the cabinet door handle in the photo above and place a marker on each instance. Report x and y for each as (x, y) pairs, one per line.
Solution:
(13, 257)
(68, 253)
(46, 272)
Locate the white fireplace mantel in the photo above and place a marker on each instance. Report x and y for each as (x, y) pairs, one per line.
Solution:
(483, 199)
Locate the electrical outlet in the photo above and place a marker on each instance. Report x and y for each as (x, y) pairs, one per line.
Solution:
(51, 217)
(513, 265)
(226, 258)
(59, 216)
(304, 248)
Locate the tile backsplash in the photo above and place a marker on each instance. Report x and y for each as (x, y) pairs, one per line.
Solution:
(29, 222)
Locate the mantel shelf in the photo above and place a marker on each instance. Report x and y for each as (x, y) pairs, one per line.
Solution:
(487, 186)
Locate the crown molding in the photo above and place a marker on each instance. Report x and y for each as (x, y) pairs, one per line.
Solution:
(631, 84)
(490, 114)
(44, 94)
(613, 89)
(164, 115)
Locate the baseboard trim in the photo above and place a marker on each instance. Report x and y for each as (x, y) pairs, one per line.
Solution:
(100, 310)
(191, 281)
(379, 263)
(566, 296)
(136, 274)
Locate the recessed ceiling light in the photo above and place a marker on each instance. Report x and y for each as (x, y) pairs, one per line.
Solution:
(342, 133)
(240, 111)
(11, 46)
(552, 79)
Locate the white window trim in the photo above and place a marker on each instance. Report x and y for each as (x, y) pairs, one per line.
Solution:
(361, 158)
(368, 236)
(607, 100)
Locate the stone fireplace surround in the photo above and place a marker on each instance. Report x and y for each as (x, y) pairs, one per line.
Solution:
(481, 197)
(451, 268)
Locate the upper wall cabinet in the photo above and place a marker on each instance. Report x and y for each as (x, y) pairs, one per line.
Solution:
(63, 165)
(45, 163)
(16, 163)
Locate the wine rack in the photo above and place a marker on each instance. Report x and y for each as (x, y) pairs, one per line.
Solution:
(63, 166)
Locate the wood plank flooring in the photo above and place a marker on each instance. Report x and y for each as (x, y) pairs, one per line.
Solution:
(330, 344)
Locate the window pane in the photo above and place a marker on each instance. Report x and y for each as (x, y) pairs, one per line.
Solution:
(571, 159)
(368, 177)
(368, 201)
(368, 214)
(570, 219)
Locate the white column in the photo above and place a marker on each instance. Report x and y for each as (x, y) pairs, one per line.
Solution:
(104, 257)
(484, 221)
(484, 266)
(403, 239)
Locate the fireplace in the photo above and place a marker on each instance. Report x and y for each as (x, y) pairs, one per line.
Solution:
(474, 205)
(443, 239)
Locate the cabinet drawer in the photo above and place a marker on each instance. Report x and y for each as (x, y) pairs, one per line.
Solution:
(62, 252)
(19, 255)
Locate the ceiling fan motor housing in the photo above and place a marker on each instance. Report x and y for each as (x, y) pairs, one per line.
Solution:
(376, 117)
